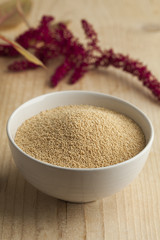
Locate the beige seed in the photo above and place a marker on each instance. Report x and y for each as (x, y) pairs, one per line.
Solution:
(80, 136)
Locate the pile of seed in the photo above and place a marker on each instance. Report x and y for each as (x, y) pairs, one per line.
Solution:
(80, 136)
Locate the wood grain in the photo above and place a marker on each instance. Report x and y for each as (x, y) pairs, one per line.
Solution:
(132, 214)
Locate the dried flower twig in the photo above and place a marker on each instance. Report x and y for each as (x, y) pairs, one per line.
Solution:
(13, 12)
(49, 41)
(23, 51)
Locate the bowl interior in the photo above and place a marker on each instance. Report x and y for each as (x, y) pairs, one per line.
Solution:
(52, 100)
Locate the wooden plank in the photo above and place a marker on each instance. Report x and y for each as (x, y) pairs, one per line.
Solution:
(134, 213)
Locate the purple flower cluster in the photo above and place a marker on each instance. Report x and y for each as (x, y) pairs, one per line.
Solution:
(134, 67)
(8, 51)
(49, 41)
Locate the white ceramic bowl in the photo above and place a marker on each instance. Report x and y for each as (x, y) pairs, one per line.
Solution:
(78, 185)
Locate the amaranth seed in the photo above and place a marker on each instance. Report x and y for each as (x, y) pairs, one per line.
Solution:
(80, 136)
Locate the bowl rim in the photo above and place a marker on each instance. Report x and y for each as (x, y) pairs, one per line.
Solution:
(35, 99)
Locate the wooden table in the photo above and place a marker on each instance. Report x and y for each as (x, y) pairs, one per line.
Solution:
(130, 27)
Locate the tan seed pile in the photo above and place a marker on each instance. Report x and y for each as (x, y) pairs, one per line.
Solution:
(80, 136)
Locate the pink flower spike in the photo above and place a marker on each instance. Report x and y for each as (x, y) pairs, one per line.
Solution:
(90, 33)
(79, 72)
(8, 51)
(60, 73)
(18, 66)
